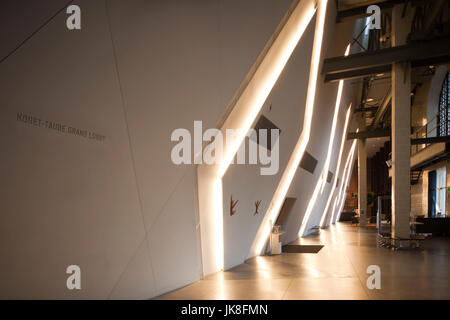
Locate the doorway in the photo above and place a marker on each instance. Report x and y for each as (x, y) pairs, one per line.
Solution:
(437, 192)
(432, 194)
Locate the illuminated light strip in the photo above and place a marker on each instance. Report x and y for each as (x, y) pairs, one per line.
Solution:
(242, 116)
(334, 206)
(333, 129)
(341, 185)
(341, 204)
(341, 151)
(311, 203)
(344, 178)
(344, 175)
(256, 93)
(218, 202)
(350, 169)
(324, 213)
(313, 199)
(323, 176)
(210, 202)
(297, 154)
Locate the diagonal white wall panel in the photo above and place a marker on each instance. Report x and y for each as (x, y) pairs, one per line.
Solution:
(242, 115)
(244, 182)
(336, 39)
(300, 147)
(120, 209)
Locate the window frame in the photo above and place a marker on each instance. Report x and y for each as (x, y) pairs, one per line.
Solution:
(443, 118)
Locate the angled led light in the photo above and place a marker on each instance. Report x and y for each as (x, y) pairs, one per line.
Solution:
(258, 89)
(324, 174)
(297, 154)
(333, 128)
(218, 202)
(341, 150)
(345, 176)
(311, 203)
(342, 184)
(347, 180)
(241, 117)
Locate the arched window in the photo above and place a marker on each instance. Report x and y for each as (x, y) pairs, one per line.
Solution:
(444, 108)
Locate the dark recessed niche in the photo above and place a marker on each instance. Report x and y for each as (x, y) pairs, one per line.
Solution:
(285, 211)
(308, 162)
(264, 123)
(330, 176)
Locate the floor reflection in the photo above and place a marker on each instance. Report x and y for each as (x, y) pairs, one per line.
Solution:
(337, 271)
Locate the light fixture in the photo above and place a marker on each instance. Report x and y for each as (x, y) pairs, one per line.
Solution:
(335, 178)
(333, 128)
(294, 161)
(344, 190)
(338, 196)
(244, 112)
(344, 176)
(218, 202)
(324, 174)
(344, 181)
(256, 93)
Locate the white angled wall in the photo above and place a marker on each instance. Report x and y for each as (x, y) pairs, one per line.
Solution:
(119, 208)
(336, 39)
(285, 107)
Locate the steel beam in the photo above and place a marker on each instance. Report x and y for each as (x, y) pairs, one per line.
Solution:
(360, 11)
(353, 74)
(430, 140)
(366, 109)
(369, 134)
(380, 133)
(419, 53)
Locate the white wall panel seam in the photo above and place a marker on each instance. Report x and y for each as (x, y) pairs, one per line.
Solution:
(113, 48)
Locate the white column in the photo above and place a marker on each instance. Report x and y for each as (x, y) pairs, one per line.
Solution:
(401, 130)
(362, 175)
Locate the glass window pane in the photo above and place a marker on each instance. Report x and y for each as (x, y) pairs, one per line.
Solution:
(443, 118)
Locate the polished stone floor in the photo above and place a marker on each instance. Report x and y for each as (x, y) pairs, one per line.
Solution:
(338, 271)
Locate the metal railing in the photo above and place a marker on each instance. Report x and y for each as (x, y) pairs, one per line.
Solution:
(432, 125)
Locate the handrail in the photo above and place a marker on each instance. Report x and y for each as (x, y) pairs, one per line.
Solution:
(432, 119)
(427, 131)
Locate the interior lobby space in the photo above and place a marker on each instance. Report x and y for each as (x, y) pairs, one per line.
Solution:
(224, 149)
(336, 272)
